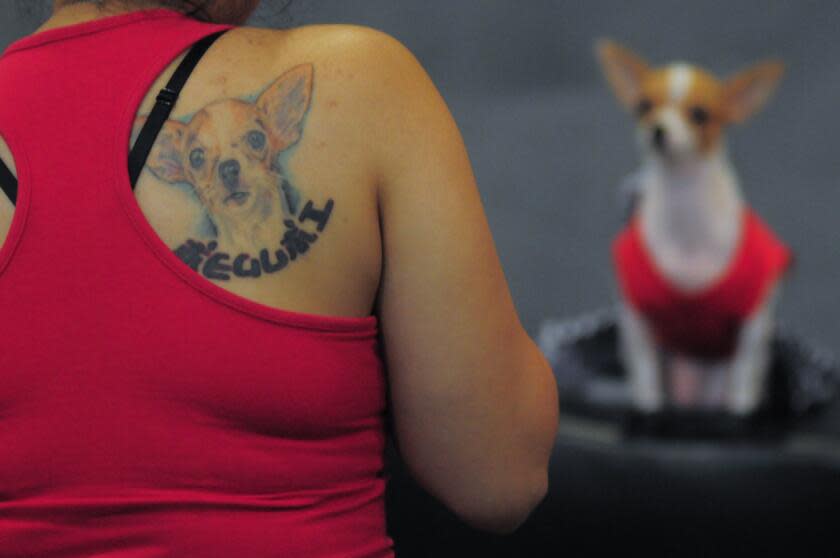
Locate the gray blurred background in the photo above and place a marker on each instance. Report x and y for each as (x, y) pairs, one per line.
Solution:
(550, 145)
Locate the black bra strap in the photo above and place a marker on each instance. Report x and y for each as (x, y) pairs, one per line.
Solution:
(8, 182)
(163, 107)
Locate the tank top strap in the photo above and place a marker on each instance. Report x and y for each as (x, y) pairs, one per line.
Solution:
(166, 99)
(68, 127)
(55, 99)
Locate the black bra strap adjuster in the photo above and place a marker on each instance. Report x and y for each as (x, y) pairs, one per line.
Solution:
(167, 96)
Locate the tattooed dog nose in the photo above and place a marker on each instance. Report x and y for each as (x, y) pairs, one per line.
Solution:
(229, 173)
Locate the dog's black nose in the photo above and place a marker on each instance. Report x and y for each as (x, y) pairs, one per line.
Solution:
(229, 173)
(659, 138)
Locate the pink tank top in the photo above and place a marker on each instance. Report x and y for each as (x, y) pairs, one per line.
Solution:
(144, 410)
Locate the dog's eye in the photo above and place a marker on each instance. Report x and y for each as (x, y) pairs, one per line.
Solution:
(643, 107)
(699, 115)
(197, 158)
(256, 139)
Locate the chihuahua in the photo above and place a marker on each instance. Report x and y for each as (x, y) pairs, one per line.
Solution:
(227, 153)
(699, 272)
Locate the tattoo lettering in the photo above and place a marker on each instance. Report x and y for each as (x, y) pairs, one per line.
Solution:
(217, 265)
(321, 217)
(296, 241)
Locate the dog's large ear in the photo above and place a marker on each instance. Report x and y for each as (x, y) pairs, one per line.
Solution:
(623, 69)
(747, 91)
(284, 104)
(165, 157)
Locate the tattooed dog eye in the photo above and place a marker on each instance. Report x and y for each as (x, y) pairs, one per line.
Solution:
(197, 158)
(256, 139)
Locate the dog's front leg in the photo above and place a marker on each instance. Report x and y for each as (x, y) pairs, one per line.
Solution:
(751, 361)
(641, 359)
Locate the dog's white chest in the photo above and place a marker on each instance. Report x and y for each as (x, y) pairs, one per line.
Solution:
(691, 224)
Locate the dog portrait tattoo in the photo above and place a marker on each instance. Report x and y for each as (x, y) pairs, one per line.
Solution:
(227, 153)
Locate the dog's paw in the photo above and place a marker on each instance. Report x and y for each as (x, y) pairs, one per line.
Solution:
(742, 404)
(648, 402)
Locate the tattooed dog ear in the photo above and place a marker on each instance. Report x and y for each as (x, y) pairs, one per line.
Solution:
(284, 104)
(165, 157)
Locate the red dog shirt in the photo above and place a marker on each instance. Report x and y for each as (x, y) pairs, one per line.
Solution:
(705, 323)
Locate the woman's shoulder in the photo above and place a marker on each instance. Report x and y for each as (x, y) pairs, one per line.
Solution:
(342, 50)
(366, 81)
(329, 38)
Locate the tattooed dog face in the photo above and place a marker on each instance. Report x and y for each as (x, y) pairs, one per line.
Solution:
(228, 150)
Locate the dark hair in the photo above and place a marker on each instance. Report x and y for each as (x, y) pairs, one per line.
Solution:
(193, 8)
(196, 9)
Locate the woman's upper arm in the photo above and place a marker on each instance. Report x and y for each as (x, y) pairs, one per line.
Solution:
(444, 298)
(455, 350)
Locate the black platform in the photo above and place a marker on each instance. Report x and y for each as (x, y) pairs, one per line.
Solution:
(665, 486)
